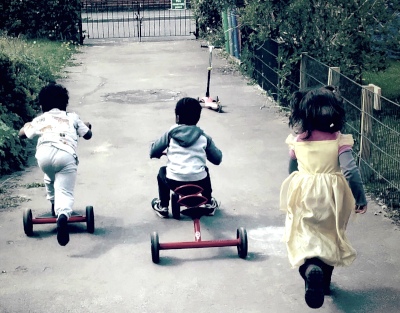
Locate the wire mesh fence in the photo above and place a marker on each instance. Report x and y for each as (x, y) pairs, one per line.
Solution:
(373, 122)
(371, 118)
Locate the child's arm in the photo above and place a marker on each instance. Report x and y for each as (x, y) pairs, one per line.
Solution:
(214, 155)
(293, 165)
(28, 131)
(21, 133)
(89, 133)
(158, 147)
(353, 176)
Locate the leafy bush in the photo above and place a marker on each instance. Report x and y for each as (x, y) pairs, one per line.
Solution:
(337, 32)
(388, 80)
(13, 152)
(55, 20)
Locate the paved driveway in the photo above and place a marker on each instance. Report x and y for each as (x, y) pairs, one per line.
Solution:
(128, 90)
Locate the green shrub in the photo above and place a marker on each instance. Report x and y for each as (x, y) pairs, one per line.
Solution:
(388, 80)
(54, 20)
(13, 152)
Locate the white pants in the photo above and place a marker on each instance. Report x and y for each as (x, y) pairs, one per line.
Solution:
(60, 170)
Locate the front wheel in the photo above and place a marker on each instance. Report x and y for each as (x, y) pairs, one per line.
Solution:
(155, 248)
(242, 247)
(90, 219)
(28, 224)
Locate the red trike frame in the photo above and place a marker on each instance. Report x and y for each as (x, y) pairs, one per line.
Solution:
(49, 218)
(193, 201)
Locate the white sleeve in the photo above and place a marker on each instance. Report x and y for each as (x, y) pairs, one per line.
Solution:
(80, 126)
(30, 130)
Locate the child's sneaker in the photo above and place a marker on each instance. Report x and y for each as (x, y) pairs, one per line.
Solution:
(212, 206)
(160, 211)
(314, 293)
(62, 230)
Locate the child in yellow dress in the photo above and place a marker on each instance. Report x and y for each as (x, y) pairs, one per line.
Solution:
(323, 189)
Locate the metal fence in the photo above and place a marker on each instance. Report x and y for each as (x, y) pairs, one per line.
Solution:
(371, 118)
(269, 74)
(134, 18)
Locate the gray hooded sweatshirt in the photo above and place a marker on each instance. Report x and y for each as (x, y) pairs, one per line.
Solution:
(188, 149)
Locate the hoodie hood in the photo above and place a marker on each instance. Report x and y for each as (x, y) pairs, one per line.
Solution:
(185, 135)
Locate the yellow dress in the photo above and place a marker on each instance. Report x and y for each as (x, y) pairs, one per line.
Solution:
(318, 203)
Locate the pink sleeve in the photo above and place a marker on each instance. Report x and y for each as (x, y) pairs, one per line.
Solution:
(344, 148)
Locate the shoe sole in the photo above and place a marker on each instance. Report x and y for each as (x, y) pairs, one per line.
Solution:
(165, 215)
(62, 232)
(314, 295)
(162, 215)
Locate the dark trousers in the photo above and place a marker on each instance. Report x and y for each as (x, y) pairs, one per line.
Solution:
(326, 269)
(165, 185)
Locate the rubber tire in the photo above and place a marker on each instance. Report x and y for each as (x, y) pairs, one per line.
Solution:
(176, 208)
(27, 219)
(155, 248)
(90, 219)
(242, 247)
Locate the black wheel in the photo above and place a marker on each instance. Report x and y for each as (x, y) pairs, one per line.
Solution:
(242, 247)
(155, 248)
(176, 208)
(90, 219)
(27, 219)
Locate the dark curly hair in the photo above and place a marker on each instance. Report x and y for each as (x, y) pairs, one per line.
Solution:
(53, 96)
(317, 109)
(188, 110)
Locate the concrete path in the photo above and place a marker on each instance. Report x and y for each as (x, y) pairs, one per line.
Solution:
(128, 91)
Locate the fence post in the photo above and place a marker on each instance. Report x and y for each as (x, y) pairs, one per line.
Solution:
(334, 78)
(367, 104)
(303, 71)
(377, 97)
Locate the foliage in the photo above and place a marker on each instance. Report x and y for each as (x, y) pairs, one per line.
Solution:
(50, 19)
(208, 15)
(388, 80)
(13, 154)
(337, 33)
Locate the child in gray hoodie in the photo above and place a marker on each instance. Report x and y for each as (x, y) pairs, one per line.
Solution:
(187, 148)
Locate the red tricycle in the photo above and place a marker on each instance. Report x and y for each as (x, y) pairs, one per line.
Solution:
(189, 196)
(51, 218)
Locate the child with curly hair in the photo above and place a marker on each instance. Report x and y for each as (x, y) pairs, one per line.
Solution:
(57, 131)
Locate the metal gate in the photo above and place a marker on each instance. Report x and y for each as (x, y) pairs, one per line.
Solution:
(137, 18)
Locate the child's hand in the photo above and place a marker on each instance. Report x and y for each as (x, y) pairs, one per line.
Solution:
(361, 209)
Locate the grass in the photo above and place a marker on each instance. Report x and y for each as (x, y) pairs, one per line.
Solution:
(388, 80)
(53, 55)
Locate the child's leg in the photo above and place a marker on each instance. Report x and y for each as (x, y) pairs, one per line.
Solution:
(49, 184)
(64, 184)
(313, 276)
(163, 187)
(206, 185)
(45, 156)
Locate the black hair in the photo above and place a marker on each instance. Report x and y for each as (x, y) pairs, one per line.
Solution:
(317, 109)
(53, 96)
(188, 110)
